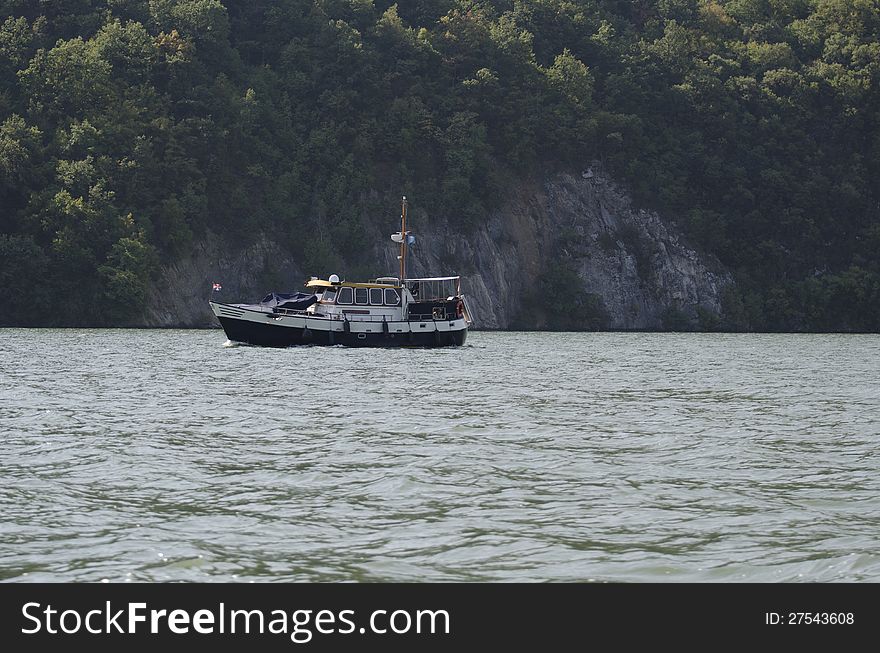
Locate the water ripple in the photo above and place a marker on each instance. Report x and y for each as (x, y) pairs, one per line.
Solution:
(163, 455)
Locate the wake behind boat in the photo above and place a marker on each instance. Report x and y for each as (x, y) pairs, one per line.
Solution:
(383, 312)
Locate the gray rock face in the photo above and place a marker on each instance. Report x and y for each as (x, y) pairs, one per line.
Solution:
(634, 261)
(180, 296)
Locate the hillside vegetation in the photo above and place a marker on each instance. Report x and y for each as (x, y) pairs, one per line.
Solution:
(129, 127)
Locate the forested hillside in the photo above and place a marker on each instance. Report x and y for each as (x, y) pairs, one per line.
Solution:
(130, 127)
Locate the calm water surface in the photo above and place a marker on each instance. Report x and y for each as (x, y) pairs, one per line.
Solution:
(163, 455)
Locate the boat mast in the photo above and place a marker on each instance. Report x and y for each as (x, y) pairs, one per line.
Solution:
(403, 240)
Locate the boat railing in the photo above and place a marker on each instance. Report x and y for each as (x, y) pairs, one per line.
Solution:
(291, 311)
(413, 317)
(424, 317)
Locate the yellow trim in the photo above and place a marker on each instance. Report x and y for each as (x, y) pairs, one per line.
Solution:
(321, 283)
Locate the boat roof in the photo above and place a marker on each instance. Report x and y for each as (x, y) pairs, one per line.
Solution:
(323, 283)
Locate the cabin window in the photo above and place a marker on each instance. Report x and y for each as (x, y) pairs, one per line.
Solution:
(391, 297)
(329, 295)
(345, 296)
(376, 296)
(360, 295)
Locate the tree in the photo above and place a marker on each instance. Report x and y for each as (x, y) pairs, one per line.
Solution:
(70, 79)
(21, 262)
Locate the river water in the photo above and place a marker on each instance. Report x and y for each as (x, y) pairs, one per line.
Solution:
(158, 455)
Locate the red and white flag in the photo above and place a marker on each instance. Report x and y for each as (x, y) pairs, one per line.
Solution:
(217, 286)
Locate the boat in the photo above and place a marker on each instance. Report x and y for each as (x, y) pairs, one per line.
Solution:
(382, 312)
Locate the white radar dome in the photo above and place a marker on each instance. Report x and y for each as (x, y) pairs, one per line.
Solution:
(334, 278)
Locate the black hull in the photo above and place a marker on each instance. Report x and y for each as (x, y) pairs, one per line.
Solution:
(273, 335)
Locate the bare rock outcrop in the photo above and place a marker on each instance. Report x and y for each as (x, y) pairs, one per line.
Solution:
(634, 262)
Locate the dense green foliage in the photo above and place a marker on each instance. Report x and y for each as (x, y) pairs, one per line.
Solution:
(128, 127)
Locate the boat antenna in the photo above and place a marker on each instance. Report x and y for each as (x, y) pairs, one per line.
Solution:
(403, 240)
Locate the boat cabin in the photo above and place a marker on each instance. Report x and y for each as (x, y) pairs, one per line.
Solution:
(386, 299)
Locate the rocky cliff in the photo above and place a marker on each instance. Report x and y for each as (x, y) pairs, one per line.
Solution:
(180, 295)
(633, 266)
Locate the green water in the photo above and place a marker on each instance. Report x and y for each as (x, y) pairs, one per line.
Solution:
(163, 455)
